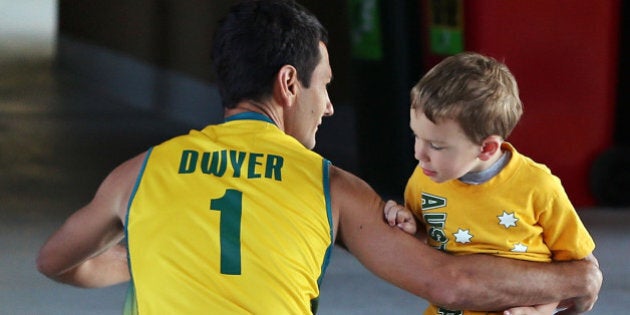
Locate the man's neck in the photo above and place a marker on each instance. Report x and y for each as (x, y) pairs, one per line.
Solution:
(261, 108)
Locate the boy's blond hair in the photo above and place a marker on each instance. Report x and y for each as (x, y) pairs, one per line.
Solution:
(476, 91)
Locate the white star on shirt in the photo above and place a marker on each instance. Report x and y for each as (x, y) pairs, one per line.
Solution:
(462, 236)
(519, 248)
(507, 219)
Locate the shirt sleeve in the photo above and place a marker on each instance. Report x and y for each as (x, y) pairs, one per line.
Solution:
(563, 230)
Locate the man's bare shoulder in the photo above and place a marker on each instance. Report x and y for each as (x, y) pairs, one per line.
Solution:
(353, 199)
(346, 182)
(119, 184)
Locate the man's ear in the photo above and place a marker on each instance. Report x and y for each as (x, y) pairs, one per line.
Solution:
(285, 87)
(489, 147)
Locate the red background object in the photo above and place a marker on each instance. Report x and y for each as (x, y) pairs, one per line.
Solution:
(564, 55)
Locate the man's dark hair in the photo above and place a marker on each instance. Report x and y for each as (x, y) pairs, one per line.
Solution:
(256, 39)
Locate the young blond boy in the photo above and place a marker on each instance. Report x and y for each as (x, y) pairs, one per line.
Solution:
(472, 191)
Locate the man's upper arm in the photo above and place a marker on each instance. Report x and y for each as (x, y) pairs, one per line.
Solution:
(386, 251)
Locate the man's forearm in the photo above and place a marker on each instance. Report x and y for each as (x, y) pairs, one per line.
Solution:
(492, 283)
(105, 269)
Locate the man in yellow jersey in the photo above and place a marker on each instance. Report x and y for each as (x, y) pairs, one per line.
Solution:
(241, 217)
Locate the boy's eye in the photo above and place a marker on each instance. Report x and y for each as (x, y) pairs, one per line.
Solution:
(435, 147)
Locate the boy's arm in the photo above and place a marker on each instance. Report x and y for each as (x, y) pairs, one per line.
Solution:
(544, 309)
(459, 282)
(565, 234)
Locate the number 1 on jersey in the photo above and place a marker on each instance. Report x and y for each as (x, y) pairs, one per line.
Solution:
(230, 206)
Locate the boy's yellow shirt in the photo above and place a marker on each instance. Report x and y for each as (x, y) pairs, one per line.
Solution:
(522, 213)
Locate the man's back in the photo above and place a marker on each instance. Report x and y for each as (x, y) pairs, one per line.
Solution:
(235, 218)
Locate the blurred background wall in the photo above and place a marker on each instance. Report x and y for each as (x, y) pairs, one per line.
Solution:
(566, 56)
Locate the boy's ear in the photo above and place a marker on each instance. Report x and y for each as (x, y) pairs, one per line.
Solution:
(285, 86)
(489, 147)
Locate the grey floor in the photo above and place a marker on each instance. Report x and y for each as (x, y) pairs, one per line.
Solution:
(58, 139)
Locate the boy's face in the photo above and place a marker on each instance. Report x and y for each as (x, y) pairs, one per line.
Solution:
(443, 151)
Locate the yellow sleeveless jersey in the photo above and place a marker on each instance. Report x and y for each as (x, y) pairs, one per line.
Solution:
(233, 219)
(521, 213)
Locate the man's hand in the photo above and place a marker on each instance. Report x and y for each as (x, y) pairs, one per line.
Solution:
(585, 303)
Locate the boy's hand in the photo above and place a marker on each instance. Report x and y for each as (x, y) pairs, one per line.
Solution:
(544, 309)
(397, 215)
